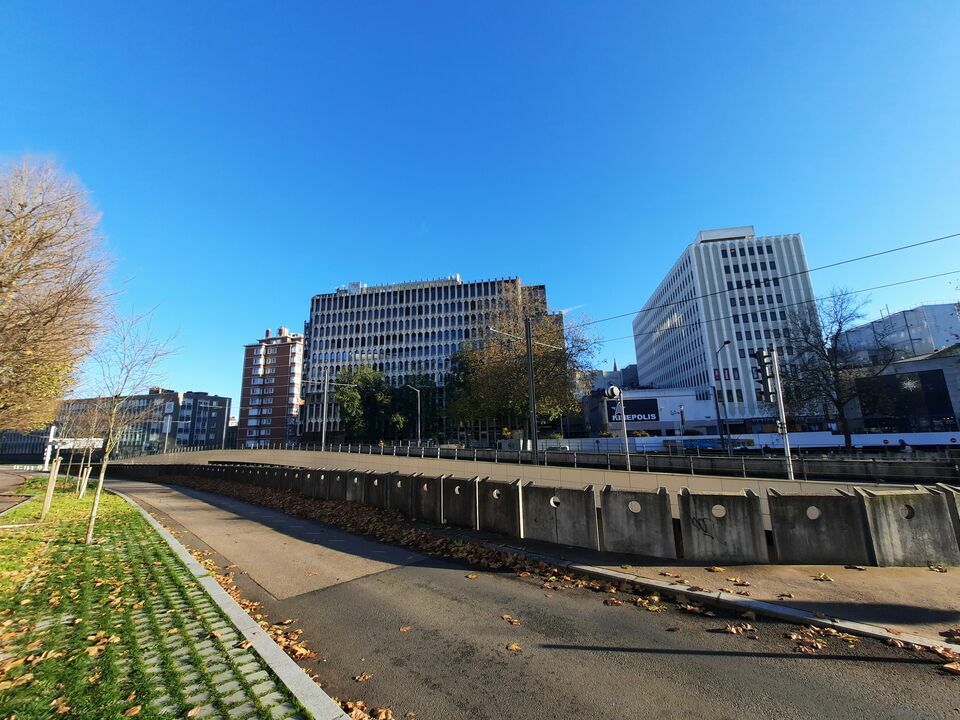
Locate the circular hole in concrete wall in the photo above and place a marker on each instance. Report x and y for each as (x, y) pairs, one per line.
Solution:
(323, 476)
(633, 506)
(555, 501)
(376, 482)
(496, 494)
(355, 481)
(424, 488)
(718, 511)
(907, 512)
(813, 512)
(399, 483)
(456, 489)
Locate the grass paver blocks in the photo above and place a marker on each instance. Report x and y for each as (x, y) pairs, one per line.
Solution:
(117, 629)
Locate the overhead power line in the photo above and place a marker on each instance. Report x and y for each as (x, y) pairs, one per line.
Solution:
(724, 291)
(785, 305)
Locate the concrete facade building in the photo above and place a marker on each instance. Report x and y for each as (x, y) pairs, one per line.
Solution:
(728, 285)
(402, 330)
(270, 390)
(908, 333)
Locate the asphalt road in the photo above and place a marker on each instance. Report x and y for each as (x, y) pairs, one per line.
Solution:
(580, 658)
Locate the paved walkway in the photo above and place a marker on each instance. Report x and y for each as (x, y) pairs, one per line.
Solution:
(9, 480)
(579, 658)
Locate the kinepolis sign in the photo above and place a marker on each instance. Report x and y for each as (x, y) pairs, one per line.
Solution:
(642, 410)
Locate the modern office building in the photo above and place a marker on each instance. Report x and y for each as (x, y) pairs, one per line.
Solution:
(270, 390)
(164, 420)
(403, 330)
(728, 285)
(908, 333)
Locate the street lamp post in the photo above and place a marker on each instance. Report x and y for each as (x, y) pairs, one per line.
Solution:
(531, 388)
(615, 393)
(417, 391)
(723, 392)
(326, 385)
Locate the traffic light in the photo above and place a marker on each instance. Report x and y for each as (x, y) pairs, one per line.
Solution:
(763, 374)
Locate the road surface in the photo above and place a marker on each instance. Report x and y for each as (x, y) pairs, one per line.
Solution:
(579, 658)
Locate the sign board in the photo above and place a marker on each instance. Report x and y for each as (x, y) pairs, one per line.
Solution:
(640, 410)
(79, 443)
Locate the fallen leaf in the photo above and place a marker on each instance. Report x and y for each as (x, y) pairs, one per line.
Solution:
(131, 696)
(135, 710)
(514, 647)
(471, 576)
(363, 677)
(822, 577)
(715, 569)
(953, 668)
(854, 567)
(405, 628)
(613, 602)
(193, 712)
(510, 619)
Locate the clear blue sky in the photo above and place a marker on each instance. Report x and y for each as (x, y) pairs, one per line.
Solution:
(248, 155)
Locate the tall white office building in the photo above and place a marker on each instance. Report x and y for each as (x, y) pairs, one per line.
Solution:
(402, 330)
(729, 284)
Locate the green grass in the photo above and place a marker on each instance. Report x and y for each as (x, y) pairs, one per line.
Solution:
(94, 631)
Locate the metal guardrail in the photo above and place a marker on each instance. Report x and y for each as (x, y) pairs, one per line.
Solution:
(805, 468)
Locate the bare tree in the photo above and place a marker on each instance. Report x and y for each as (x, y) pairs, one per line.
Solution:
(52, 272)
(128, 363)
(822, 375)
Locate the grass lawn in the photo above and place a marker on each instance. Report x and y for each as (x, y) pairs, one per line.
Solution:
(117, 629)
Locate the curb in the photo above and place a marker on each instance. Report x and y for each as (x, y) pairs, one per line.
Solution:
(27, 498)
(728, 600)
(314, 700)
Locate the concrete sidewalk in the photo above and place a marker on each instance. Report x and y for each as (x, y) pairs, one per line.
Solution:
(430, 635)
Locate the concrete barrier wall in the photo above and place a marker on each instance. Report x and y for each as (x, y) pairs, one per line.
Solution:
(560, 515)
(827, 529)
(911, 528)
(907, 527)
(574, 478)
(460, 502)
(428, 499)
(378, 489)
(638, 522)
(722, 528)
(499, 507)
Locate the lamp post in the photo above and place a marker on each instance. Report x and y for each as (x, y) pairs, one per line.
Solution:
(614, 393)
(326, 385)
(723, 392)
(417, 391)
(531, 388)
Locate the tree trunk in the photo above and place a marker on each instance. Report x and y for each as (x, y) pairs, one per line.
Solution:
(96, 498)
(51, 486)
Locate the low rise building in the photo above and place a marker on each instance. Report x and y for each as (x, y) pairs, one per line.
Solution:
(909, 333)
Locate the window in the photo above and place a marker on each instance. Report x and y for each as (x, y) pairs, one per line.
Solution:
(726, 269)
(773, 265)
(250, 433)
(729, 285)
(271, 351)
(736, 373)
(252, 423)
(743, 353)
(739, 395)
(733, 302)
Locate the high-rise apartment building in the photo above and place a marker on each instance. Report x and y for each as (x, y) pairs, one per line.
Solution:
(402, 330)
(270, 390)
(728, 285)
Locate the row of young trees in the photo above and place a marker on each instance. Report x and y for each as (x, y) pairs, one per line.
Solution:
(58, 320)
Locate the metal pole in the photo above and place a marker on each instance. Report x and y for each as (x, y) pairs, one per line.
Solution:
(783, 414)
(623, 423)
(323, 427)
(531, 390)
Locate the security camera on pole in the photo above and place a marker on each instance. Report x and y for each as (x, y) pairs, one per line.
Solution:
(613, 393)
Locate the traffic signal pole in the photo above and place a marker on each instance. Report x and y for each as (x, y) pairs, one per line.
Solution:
(778, 389)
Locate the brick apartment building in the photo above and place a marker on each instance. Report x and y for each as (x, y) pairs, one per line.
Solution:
(270, 390)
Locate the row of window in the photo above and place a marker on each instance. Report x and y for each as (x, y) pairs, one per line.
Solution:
(759, 316)
(755, 300)
(741, 284)
(411, 295)
(266, 421)
(747, 268)
(743, 252)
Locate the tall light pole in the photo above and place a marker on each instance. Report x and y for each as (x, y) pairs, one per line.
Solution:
(531, 388)
(614, 393)
(326, 385)
(417, 391)
(723, 393)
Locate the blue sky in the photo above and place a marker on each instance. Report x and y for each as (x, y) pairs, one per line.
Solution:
(248, 155)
